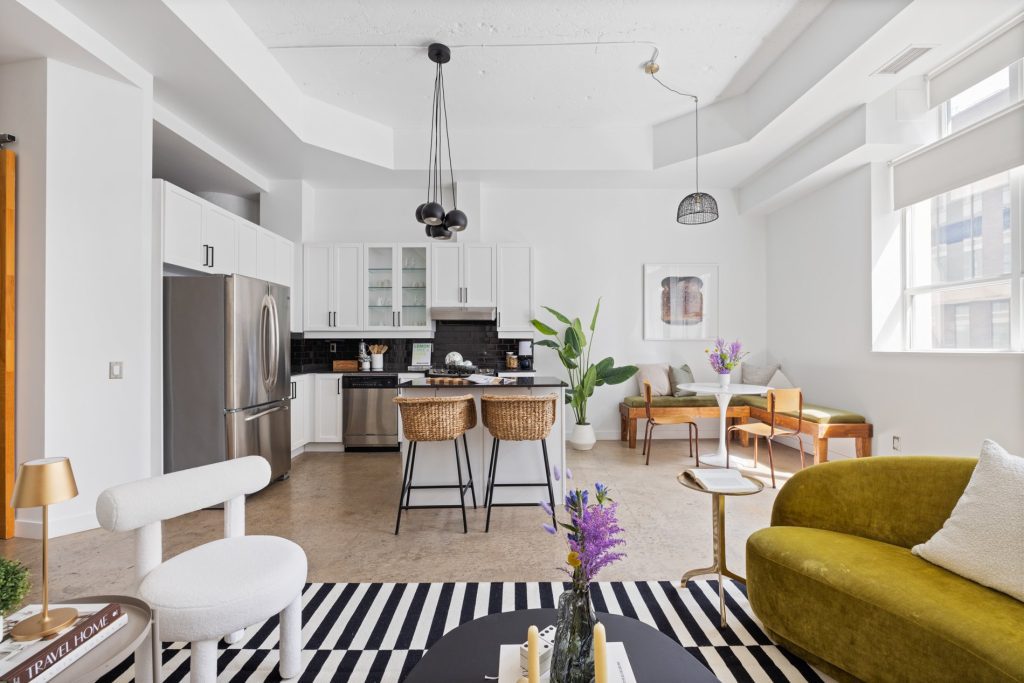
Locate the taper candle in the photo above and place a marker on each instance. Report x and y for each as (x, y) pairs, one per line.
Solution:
(533, 655)
(600, 654)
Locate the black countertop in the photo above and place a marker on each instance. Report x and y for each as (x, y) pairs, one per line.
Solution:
(322, 369)
(516, 382)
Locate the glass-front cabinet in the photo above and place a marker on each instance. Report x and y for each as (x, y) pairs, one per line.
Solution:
(397, 279)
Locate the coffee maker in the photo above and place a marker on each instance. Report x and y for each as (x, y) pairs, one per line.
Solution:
(526, 355)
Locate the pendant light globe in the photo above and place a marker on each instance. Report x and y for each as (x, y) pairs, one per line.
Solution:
(419, 212)
(433, 213)
(456, 220)
(439, 232)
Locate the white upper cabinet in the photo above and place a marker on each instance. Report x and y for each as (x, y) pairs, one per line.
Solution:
(181, 216)
(515, 287)
(332, 287)
(463, 275)
(446, 275)
(317, 287)
(219, 239)
(397, 281)
(478, 277)
(204, 237)
(247, 237)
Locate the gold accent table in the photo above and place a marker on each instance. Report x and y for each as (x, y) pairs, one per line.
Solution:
(718, 537)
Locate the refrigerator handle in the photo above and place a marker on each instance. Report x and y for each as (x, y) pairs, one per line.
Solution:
(260, 414)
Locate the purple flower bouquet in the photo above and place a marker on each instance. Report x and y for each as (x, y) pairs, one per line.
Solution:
(593, 535)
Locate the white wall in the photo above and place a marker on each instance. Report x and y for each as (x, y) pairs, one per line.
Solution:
(819, 327)
(24, 116)
(95, 295)
(590, 244)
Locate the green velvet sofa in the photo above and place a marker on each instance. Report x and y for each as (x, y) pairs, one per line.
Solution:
(833, 579)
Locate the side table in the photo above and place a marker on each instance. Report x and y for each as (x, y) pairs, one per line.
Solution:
(718, 565)
(140, 632)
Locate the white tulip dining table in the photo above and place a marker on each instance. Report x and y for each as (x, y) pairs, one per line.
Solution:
(724, 394)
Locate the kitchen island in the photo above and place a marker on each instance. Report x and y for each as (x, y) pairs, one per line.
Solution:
(518, 461)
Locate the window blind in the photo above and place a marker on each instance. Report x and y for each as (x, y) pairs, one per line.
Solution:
(995, 53)
(990, 146)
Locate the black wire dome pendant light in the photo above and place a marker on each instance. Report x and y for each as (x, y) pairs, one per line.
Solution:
(439, 224)
(698, 207)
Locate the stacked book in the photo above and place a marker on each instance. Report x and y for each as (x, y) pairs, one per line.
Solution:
(40, 660)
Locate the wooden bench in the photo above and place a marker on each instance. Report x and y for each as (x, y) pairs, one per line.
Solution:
(740, 411)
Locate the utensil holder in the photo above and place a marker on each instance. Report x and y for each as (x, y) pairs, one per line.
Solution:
(376, 361)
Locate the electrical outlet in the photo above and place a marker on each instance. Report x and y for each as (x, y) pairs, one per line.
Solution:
(116, 369)
(334, 347)
(896, 444)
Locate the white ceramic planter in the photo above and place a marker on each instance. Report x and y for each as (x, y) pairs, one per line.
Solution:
(583, 438)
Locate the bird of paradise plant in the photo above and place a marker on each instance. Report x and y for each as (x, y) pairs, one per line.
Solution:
(573, 350)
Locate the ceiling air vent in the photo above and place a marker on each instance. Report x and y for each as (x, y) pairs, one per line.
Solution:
(903, 60)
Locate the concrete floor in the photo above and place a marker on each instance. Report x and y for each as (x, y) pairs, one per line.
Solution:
(341, 509)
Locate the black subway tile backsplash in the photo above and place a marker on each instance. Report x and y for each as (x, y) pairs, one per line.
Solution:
(476, 341)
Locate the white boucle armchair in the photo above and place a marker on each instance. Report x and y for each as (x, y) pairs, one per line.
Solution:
(214, 590)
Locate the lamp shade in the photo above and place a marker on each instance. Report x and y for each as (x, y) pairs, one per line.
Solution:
(439, 232)
(44, 482)
(697, 208)
(432, 213)
(419, 212)
(456, 220)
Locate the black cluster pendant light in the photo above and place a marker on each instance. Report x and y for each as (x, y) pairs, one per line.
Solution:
(440, 225)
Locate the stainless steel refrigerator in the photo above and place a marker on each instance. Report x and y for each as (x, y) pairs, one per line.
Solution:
(226, 371)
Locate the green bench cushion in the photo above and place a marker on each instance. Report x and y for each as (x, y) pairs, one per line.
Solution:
(673, 401)
(812, 413)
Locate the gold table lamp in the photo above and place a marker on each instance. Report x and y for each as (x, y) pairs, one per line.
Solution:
(44, 482)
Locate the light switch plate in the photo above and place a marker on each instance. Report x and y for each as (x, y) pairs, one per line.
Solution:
(116, 369)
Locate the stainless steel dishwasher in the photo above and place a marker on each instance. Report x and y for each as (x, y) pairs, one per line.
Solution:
(369, 416)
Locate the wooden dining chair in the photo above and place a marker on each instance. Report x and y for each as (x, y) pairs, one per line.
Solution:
(779, 401)
(653, 422)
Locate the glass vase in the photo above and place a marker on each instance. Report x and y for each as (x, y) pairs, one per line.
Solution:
(572, 660)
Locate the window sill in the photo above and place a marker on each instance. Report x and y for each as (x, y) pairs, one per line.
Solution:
(950, 352)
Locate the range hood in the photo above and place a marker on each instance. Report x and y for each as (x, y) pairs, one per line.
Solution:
(480, 313)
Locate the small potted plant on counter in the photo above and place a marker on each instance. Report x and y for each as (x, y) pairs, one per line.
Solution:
(573, 350)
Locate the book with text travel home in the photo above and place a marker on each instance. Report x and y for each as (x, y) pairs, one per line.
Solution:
(720, 480)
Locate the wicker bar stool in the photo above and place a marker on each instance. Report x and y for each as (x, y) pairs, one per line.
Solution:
(436, 418)
(518, 418)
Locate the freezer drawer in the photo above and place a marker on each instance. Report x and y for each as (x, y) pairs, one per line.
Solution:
(263, 430)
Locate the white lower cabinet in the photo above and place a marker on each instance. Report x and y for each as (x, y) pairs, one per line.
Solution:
(327, 399)
(302, 406)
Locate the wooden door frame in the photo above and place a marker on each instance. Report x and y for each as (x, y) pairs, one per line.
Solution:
(7, 312)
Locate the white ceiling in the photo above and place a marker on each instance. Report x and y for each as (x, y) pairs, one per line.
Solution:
(703, 46)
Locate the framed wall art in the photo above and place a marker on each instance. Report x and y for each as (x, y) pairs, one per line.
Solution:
(680, 301)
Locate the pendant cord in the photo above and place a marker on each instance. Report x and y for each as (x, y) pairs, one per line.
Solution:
(437, 157)
(696, 128)
(448, 143)
(430, 160)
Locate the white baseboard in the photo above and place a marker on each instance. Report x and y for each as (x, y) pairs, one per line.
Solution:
(838, 449)
(61, 526)
(324, 447)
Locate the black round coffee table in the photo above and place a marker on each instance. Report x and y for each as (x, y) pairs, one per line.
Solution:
(470, 652)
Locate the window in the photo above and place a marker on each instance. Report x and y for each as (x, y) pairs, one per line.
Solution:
(983, 99)
(963, 268)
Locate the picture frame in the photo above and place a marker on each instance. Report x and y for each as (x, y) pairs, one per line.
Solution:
(680, 301)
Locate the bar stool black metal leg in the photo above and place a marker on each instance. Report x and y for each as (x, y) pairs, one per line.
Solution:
(469, 469)
(462, 489)
(488, 488)
(494, 469)
(405, 482)
(547, 476)
(412, 469)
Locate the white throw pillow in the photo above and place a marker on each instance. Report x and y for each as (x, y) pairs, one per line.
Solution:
(780, 381)
(983, 539)
(757, 375)
(657, 375)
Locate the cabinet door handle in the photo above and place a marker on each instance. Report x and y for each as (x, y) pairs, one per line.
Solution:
(499, 318)
(339, 386)
(213, 256)
(293, 391)
(206, 255)
(334, 318)
(399, 318)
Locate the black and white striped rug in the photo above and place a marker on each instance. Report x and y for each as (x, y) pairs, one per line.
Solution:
(363, 632)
